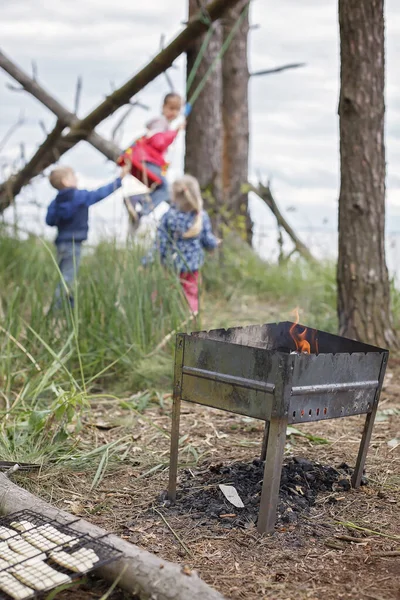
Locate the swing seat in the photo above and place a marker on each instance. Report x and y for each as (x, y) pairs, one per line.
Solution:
(139, 169)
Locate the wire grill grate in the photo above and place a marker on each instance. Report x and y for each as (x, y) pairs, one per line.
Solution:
(38, 554)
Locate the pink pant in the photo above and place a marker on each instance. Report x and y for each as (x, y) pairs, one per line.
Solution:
(190, 285)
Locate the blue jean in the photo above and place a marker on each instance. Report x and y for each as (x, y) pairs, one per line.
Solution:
(158, 195)
(68, 259)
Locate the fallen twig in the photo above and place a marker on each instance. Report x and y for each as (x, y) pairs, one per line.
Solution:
(387, 553)
(349, 538)
(334, 544)
(351, 525)
(176, 536)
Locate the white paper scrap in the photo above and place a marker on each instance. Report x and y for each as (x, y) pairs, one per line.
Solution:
(231, 495)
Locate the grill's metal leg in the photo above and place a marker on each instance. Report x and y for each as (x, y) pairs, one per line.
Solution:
(173, 462)
(367, 432)
(265, 441)
(362, 452)
(272, 475)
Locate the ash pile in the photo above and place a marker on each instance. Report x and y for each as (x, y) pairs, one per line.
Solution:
(200, 497)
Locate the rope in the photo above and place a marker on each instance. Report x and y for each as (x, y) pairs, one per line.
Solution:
(195, 68)
(198, 60)
(220, 54)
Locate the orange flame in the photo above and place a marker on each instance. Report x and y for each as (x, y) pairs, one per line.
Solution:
(302, 345)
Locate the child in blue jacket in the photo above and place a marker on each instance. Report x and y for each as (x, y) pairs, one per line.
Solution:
(69, 212)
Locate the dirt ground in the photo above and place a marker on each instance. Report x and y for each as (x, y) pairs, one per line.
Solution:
(324, 555)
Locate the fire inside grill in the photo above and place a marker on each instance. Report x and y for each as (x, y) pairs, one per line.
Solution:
(281, 373)
(39, 554)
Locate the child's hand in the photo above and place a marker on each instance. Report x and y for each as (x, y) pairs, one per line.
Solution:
(219, 242)
(182, 125)
(126, 168)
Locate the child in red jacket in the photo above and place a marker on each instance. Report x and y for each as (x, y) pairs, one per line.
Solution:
(147, 156)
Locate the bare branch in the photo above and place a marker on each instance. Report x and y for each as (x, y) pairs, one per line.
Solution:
(264, 192)
(22, 154)
(139, 104)
(277, 69)
(78, 94)
(34, 70)
(19, 122)
(131, 106)
(43, 126)
(14, 88)
(121, 122)
(83, 129)
(63, 114)
(13, 186)
(166, 74)
(169, 81)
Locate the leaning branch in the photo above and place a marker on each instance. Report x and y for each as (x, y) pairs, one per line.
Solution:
(13, 128)
(153, 69)
(264, 192)
(140, 573)
(81, 130)
(109, 149)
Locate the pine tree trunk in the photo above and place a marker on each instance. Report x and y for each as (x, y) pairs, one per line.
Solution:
(235, 115)
(204, 127)
(363, 283)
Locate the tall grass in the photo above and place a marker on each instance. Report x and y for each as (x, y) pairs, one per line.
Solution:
(54, 364)
(115, 323)
(312, 287)
(122, 312)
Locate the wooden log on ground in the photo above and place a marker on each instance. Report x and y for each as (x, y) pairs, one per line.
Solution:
(141, 573)
(82, 129)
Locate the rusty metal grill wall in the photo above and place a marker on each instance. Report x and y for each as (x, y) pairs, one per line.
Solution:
(253, 371)
(241, 376)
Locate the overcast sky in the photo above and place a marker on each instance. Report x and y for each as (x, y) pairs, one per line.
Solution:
(294, 124)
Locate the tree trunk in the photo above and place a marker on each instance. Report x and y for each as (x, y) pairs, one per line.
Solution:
(363, 283)
(235, 115)
(203, 156)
